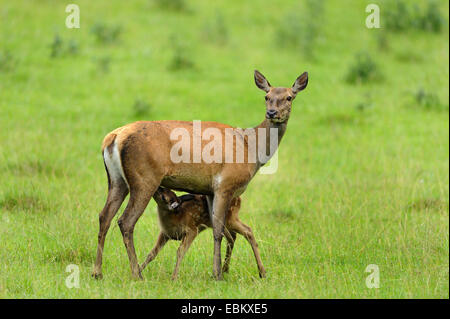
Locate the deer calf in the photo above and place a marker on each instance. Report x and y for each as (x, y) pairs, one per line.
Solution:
(183, 218)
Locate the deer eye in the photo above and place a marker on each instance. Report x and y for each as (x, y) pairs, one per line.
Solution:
(289, 98)
(266, 97)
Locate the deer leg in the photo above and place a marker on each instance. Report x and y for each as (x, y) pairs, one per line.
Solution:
(118, 190)
(247, 232)
(184, 246)
(209, 201)
(231, 237)
(160, 242)
(139, 198)
(220, 208)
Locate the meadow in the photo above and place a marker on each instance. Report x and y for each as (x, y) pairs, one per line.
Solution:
(363, 173)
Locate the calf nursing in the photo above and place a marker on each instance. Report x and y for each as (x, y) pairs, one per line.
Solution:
(183, 218)
(137, 161)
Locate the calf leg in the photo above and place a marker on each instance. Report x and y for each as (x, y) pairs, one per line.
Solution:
(184, 246)
(118, 190)
(247, 232)
(231, 237)
(160, 242)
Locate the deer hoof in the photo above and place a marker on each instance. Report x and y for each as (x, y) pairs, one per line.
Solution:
(137, 276)
(97, 275)
(218, 277)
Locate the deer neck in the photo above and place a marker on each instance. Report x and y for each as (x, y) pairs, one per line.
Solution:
(265, 128)
(161, 204)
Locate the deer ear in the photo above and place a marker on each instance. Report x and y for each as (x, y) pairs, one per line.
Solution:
(261, 81)
(300, 83)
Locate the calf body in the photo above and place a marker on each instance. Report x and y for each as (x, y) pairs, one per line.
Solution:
(183, 218)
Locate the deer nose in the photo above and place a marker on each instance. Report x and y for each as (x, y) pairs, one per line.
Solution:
(271, 113)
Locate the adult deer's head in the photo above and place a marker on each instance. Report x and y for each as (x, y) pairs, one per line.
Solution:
(279, 99)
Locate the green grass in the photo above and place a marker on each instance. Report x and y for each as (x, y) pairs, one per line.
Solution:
(363, 172)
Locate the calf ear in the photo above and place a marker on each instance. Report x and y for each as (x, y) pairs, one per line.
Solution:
(261, 81)
(300, 83)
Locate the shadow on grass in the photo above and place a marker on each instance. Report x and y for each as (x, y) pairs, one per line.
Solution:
(285, 214)
(338, 119)
(23, 201)
(78, 256)
(428, 204)
(34, 167)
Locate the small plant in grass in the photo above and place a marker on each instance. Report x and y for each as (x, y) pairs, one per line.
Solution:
(365, 104)
(103, 64)
(216, 30)
(432, 20)
(141, 108)
(288, 31)
(106, 33)
(175, 5)
(363, 69)
(180, 58)
(400, 16)
(429, 101)
(301, 31)
(56, 46)
(72, 47)
(7, 61)
(406, 55)
(382, 41)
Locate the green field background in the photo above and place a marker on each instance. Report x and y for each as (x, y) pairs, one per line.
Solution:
(363, 173)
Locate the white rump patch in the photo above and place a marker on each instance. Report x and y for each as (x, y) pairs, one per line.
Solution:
(114, 164)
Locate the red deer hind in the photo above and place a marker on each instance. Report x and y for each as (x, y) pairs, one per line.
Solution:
(138, 160)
